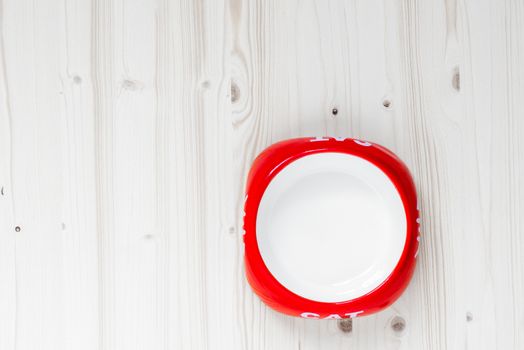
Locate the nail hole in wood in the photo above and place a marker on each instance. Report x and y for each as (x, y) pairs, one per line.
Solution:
(386, 103)
(334, 111)
(345, 325)
(17, 229)
(469, 316)
(77, 80)
(455, 79)
(398, 324)
(2, 191)
(232, 230)
(235, 92)
(63, 227)
(148, 237)
(206, 84)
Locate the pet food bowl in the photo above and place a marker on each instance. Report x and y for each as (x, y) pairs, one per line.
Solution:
(331, 227)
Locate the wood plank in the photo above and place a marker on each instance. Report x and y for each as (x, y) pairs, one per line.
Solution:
(80, 256)
(31, 59)
(8, 298)
(492, 191)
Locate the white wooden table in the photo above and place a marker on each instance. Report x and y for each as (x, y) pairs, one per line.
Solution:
(127, 129)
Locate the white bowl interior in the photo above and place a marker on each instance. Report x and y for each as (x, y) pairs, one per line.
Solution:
(331, 227)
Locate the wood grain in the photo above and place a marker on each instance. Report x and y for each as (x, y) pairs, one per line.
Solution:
(127, 129)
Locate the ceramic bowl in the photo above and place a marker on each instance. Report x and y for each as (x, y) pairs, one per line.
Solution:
(331, 227)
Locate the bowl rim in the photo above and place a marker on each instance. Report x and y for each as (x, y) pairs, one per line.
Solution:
(266, 166)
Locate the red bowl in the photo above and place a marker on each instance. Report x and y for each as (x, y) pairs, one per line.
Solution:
(331, 227)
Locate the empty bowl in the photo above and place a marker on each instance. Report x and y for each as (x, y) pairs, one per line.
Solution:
(331, 227)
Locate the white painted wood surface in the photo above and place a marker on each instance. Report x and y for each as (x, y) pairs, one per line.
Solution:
(127, 129)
